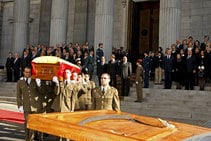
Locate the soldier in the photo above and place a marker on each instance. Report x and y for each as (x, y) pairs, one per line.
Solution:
(28, 99)
(85, 98)
(139, 80)
(64, 93)
(48, 96)
(105, 97)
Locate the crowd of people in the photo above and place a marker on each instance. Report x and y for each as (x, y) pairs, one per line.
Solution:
(186, 62)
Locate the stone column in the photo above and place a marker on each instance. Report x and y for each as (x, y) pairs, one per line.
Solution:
(21, 20)
(169, 24)
(104, 25)
(124, 23)
(58, 29)
(45, 20)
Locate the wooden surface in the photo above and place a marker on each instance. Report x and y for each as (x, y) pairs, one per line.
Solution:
(105, 125)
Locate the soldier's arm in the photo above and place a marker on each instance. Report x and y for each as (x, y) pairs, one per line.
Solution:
(73, 100)
(116, 101)
(57, 88)
(19, 95)
(93, 106)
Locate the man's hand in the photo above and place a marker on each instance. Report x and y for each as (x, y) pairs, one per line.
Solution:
(55, 80)
(38, 82)
(21, 109)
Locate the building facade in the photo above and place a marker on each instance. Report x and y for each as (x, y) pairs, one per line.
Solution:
(135, 25)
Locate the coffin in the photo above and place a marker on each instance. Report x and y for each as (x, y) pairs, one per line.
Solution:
(103, 125)
(45, 67)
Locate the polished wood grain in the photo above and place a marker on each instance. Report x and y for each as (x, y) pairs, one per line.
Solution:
(106, 125)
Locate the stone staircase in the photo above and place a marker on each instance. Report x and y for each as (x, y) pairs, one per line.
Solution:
(8, 92)
(188, 106)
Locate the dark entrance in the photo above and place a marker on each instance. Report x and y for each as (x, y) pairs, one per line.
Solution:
(144, 27)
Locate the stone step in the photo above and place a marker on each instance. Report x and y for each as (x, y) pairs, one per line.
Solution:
(175, 106)
(182, 105)
(8, 89)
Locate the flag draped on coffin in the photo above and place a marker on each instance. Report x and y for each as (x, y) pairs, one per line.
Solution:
(45, 67)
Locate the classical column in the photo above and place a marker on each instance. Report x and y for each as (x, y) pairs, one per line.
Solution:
(169, 24)
(104, 25)
(21, 20)
(45, 20)
(124, 23)
(58, 29)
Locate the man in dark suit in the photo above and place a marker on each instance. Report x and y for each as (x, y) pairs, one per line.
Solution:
(146, 65)
(204, 44)
(103, 68)
(168, 68)
(25, 60)
(89, 62)
(9, 64)
(113, 70)
(99, 54)
(190, 70)
(16, 67)
(125, 73)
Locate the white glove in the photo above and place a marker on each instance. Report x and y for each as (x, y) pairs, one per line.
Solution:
(55, 80)
(21, 109)
(38, 82)
(21, 78)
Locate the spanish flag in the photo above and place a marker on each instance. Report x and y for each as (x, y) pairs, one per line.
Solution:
(45, 67)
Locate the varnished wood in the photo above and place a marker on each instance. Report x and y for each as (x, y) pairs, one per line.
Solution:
(106, 125)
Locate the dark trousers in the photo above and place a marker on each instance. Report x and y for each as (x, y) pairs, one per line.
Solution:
(168, 80)
(201, 83)
(146, 79)
(113, 81)
(125, 86)
(189, 82)
(16, 75)
(9, 75)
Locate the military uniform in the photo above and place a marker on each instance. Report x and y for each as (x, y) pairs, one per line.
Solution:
(108, 100)
(48, 96)
(29, 97)
(64, 93)
(85, 98)
(139, 81)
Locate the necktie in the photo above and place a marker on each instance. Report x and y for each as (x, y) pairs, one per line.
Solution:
(27, 81)
(103, 90)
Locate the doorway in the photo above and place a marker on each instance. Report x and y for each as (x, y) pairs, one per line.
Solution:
(143, 27)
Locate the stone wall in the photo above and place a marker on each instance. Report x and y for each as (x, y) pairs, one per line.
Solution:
(195, 19)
